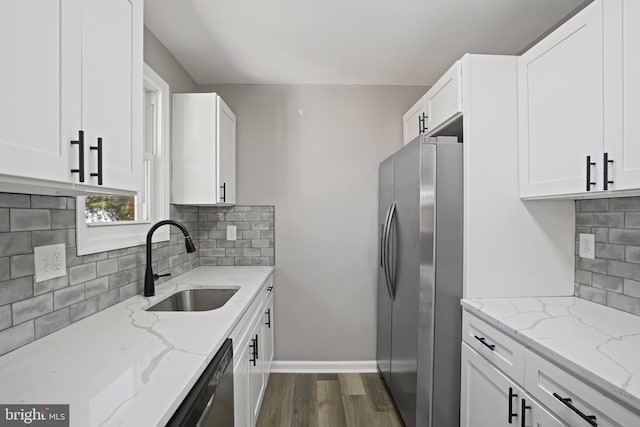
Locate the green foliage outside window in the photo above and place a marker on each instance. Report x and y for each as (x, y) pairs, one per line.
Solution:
(109, 208)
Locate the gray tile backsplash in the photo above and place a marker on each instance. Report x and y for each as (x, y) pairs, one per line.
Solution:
(255, 235)
(613, 277)
(30, 310)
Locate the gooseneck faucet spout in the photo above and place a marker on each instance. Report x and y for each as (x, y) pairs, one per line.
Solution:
(149, 276)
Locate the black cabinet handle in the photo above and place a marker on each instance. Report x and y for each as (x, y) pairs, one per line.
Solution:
(224, 191)
(511, 413)
(254, 355)
(523, 413)
(605, 162)
(482, 340)
(80, 144)
(270, 289)
(99, 148)
(424, 123)
(589, 164)
(257, 348)
(268, 313)
(591, 419)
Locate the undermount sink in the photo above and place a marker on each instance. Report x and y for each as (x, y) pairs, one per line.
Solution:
(195, 300)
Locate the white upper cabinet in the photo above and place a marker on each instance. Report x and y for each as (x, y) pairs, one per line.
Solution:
(204, 150)
(413, 121)
(40, 86)
(578, 97)
(444, 99)
(75, 75)
(561, 107)
(437, 108)
(112, 90)
(622, 105)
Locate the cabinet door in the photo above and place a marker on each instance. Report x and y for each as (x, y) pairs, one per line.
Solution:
(444, 99)
(412, 121)
(537, 416)
(488, 397)
(226, 153)
(256, 371)
(40, 87)
(622, 106)
(241, 398)
(268, 348)
(112, 89)
(561, 107)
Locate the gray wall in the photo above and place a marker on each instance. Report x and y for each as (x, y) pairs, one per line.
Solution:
(313, 152)
(613, 277)
(163, 62)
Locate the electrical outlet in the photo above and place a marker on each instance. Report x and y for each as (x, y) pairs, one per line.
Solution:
(50, 262)
(231, 232)
(587, 245)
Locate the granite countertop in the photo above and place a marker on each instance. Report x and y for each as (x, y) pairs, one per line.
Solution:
(125, 366)
(596, 342)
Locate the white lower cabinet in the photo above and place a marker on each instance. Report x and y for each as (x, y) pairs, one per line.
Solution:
(241, 405)
(491, 399)
(547, 395)
(253, 354)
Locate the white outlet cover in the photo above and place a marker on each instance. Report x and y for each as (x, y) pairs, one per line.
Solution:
(587, 245)
(231, 232)
(50, 262)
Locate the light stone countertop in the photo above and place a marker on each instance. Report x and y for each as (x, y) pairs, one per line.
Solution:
(125, 366)
(596, 342)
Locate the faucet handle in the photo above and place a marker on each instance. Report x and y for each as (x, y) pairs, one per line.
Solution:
(157, 276)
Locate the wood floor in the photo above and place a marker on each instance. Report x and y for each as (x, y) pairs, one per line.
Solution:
(327, 400)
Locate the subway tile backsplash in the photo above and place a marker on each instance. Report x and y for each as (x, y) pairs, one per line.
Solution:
(613, 277)
(30, 310)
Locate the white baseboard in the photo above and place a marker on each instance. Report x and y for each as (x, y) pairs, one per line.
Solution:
(360, 366)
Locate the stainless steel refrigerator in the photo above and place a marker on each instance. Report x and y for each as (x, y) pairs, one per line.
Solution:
(420, 281)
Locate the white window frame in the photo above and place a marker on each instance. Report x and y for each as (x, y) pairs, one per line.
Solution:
(93, 238)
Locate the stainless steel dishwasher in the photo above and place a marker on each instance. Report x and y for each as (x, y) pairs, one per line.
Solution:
(210, 401)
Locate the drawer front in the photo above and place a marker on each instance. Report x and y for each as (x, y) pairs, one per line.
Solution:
(501, 350)
(549, 384)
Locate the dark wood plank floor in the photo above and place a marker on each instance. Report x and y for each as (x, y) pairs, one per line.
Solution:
(327, 400)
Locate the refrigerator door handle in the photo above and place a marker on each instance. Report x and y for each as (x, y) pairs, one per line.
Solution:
(383, 250)
(388, 271)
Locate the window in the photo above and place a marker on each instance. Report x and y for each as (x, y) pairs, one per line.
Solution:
(108, 222)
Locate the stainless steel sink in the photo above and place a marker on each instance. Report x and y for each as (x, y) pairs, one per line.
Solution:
(195, 300)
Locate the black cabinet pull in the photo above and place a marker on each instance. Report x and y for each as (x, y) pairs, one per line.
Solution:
(424, 123)
(605, 162)
(482, 340)
(253, 345)
(589, 164)
(223, 187)
(270, 289)
(268, 313)
(256, 348)
(591, 419)
(523, 413)
(99, 148)
(80, 144)
(511, 413)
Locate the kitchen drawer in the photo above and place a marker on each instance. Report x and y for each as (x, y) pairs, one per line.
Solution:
(501, 350)
(548, 383)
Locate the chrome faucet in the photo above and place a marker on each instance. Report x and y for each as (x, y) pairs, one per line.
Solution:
(149, 276)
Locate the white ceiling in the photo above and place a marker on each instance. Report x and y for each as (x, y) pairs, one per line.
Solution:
(407, 42)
